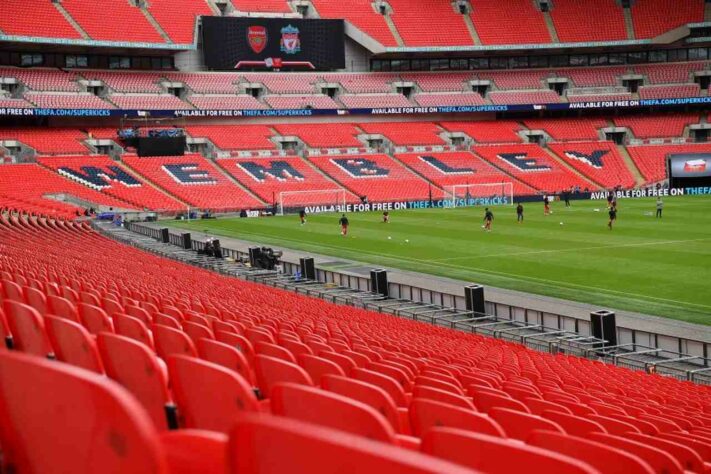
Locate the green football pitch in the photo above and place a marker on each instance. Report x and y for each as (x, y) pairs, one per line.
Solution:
(644, 264)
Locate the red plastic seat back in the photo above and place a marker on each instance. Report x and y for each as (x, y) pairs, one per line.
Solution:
(62, 308)
(132, 327)
(659, 460)
(58, 418)
(134, 365)
(197, 331)
(36, 299)
(227, 356)
(574, 425)
(329, 409)
(73, 344)
(426, 414)
(318, 367)
(272, 350)
(170, 341)
(27, 329)
(383, 381)
(209, 396)
(94, 319)
(486, 401)
(520, 425)
(497, 455)
(366, 393)
(319, 450)
(270, 371)
(431, 393)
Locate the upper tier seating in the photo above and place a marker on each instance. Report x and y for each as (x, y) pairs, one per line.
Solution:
(267, 178)
(668, 73)
(654, 17)
(301, 83)
(149, 102)
(652, 160)
(441, 82)
(319, 135)
(67, 101)
(524, 97)
(47, 141)
(178, 18)
(511, 22)
(269, 6)
(593, 77)
(671, 91)
(599, 161)
(506, 390)
(451, 99)
(40, 79)
(569, 129)
(217, 102)
(448, 169)
(532, 165)
(406, 133)
(29, 183)
(657, 126)
(235, 137)
(368, 101)
(127, 23)
(301, 102)
(194, 180)
(498, 131)
(378, 177)
(103, 174)
(126, 81)
(596, 20)
(364, 82)
(418, 29)
(361, 14)
(207, 83)
(39, 19)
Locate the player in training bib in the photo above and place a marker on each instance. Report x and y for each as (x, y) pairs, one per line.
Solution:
(344, 225)
(488, 217)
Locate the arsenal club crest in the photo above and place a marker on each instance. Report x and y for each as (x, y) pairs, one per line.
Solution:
(290, 42)
(257, 38)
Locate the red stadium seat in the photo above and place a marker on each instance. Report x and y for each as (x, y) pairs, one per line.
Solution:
(227, 356)
(73, 344)
(27, 329)
(270, 371)
(427, 414)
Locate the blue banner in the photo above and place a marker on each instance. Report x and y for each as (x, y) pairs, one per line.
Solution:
(459, 109)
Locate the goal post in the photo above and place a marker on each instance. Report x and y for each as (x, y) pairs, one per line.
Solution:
(480, 194)
(293, 201)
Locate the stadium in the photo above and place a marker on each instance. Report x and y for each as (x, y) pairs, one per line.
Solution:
(318, 236)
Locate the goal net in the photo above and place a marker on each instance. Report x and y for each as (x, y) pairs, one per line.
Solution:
(294, 201)
(482, 194)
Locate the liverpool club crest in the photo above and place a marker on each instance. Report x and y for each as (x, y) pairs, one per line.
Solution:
(257, 38)
(290, 42)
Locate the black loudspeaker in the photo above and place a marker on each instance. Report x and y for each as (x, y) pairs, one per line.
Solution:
(379, 282)
(164, 235)
(602, 326)
(187, 241)
(254, 254)
(308, 269)
(474, 296)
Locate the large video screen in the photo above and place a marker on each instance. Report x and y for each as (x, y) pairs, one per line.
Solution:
(265, 43)
(690, 165)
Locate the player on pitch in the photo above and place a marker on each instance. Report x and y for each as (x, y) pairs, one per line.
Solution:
(613, 216)
(519, 213)
(488, 217)
(344, 225)
(302, 216)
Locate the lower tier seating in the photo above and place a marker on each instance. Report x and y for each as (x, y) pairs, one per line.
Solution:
(531, 164)
(378, 177)
(599, 161)
(268, 178)
(194, 180)
(103, 174)
(145, 338)
(651, 160)
(234, 137)
(461, 168)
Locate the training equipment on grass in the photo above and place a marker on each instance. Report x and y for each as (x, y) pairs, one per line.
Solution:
(489, 194)
(293, 201)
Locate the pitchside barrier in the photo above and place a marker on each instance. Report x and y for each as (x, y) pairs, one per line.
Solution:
(641, 349)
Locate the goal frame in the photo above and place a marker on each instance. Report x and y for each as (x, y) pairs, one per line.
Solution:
(339, 194)
(505, 188)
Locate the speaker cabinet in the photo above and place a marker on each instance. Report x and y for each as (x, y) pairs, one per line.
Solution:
(186, 240)
(379, 282)
(308, 269)
(164, 235)
(602, 326)
(474, 297)
(254, 254)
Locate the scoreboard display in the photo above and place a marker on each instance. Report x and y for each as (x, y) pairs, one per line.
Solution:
(234, 43)
(689, 169)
